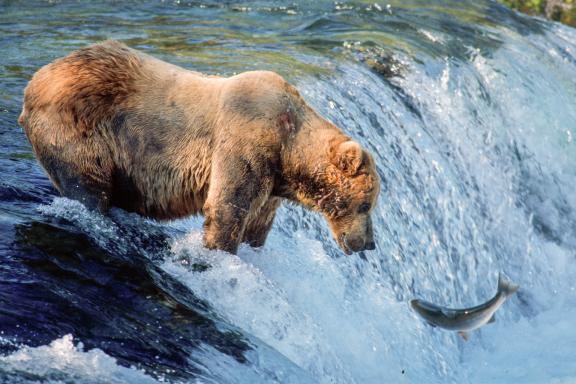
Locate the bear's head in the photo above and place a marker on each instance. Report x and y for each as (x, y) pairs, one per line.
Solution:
(353, 190)
(344, 187)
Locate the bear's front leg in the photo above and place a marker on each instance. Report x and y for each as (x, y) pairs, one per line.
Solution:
(259, 226)
(239, 187)
(223, 226)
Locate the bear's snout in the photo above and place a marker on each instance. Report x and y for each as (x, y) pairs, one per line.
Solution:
(370, 246)
(356, 236)
(355, 244)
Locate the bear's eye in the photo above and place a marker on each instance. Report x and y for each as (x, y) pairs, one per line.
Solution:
(364, 207)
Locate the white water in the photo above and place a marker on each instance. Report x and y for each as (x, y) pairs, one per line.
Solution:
(63, 362)
(483, 182)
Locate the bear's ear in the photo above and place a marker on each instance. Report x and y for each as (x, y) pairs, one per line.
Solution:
(347, 156)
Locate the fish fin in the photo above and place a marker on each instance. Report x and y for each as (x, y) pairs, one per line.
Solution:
(492, 319)
(506, 286)
(463, 335)
(431, 324)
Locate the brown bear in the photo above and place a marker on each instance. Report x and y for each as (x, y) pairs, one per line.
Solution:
(115, 127)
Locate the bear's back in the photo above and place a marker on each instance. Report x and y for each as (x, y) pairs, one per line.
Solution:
(81, 89)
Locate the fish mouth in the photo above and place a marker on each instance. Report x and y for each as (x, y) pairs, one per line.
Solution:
(415, 305)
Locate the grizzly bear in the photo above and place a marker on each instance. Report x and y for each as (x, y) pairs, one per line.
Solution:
(116, 127)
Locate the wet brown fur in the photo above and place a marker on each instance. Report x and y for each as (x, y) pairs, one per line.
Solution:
(114, 126)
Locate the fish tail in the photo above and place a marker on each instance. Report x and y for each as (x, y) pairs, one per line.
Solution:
(506, 286)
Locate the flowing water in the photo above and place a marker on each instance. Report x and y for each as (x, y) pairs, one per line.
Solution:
(470, 112)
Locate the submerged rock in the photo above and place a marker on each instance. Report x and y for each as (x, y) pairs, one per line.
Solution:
(376, 58)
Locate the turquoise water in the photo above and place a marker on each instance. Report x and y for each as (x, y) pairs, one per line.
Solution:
(469, 111)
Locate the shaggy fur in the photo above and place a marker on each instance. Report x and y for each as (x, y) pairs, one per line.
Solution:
(114, 126)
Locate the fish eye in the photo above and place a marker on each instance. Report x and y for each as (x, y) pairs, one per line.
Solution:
(364, 207)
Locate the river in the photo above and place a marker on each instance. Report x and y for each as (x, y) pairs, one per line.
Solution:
(470, 112)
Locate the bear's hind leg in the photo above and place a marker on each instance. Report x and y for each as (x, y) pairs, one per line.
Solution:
(79, 175)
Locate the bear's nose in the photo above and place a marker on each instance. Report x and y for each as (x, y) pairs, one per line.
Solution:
(370, 246)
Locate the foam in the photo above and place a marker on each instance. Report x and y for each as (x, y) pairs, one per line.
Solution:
(62, 362)
(298, 300)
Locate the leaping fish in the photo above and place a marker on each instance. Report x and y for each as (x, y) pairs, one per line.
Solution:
(468, 319)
